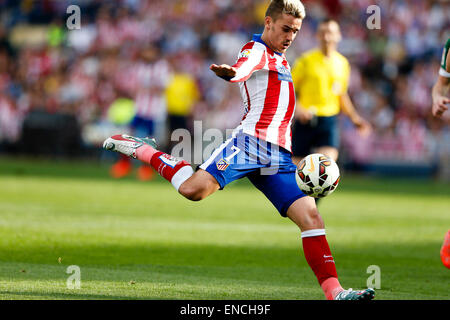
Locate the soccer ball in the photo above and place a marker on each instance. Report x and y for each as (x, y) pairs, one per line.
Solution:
(317, 175)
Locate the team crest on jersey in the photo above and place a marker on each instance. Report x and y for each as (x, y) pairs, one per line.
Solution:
(244, 54)
(222, 165)
(284, 74)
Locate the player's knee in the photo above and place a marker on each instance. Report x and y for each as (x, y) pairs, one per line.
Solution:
(311, 220)
(314, 215)
(305, 215)
(190, 192)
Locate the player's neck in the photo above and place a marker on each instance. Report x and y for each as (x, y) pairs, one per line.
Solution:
(266, 40)
(327, 50)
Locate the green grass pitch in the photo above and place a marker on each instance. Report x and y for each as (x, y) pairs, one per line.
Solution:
(141, 240)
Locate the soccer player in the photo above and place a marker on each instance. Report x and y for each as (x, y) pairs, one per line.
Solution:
(259, 148)
(438, 95)
(442, 85)
(321, 79)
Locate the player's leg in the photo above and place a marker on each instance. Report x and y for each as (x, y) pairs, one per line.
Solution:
(303, 212)
(282, 190)
(194, 186)
(227, 163)
(445, 250)
(199, 186)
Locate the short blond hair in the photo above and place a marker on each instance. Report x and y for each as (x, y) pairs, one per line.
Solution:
(292, 7)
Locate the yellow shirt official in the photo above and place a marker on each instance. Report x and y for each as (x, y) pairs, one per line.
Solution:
(181, 94)
(319, 81)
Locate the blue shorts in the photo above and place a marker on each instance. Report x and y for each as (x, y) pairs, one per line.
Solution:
(320, 132)
(268, 167)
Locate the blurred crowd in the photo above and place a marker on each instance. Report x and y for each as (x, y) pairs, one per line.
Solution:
(149, 60)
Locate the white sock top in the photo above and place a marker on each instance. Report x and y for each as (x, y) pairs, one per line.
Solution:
(313, 233)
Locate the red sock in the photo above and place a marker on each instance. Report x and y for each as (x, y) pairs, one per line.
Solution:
(172, 169)
(318, 255)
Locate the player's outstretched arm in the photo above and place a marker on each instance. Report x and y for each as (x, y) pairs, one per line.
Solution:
(223, 70)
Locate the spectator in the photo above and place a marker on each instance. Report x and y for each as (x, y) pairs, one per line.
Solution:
(43, 65)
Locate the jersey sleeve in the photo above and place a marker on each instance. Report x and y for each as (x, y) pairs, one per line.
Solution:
(250, 59)
(443, 70)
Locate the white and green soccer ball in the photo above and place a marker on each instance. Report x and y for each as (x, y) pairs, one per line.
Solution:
(317, 175)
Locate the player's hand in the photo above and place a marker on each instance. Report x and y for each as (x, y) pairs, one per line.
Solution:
(303, 116)
(223, 70)
(439, 106)
(364, 128)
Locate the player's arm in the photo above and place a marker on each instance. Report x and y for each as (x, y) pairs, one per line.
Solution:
(223, 71)
(347, 107)
(349, 110)
(250, 59)
(440, 88)
(438, 93)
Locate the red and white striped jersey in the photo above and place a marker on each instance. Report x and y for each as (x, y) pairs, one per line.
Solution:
(267, 90)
